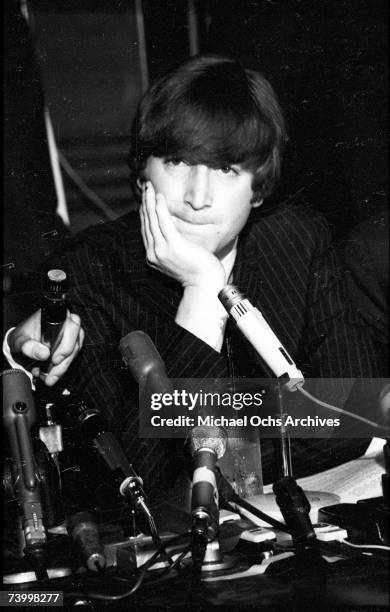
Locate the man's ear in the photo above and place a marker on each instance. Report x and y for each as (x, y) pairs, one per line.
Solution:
(140, 181)
(257, 203)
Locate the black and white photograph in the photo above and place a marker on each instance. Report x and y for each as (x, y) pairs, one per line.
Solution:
(195, 352)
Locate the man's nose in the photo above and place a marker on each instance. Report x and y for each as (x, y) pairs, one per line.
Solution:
(198, 187)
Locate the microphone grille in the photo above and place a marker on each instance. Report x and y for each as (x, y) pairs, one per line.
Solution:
(213, 438)
(229, 296)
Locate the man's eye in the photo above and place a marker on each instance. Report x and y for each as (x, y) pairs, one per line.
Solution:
(228, 170)
(175, 161)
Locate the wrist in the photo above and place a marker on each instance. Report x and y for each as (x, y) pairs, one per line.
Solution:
(210, 283)
(197, 303)
(202, 293)
(202, 314)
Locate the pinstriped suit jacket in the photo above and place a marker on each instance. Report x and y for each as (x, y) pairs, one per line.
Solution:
(285, 264)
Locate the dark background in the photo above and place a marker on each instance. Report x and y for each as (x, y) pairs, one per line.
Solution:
(327, 60)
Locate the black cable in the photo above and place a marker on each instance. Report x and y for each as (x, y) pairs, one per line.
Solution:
(177, 561)
(154, 533)
(229, 496)
(145, 567)
(198, 550)
(259, 514)
(99, 596)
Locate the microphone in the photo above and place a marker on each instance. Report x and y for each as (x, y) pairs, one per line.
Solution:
(85, 535)
(143, 359)
(257, 331)
(53, 311)
(148, 370)
(384, 405)
(108, 447)
(207, 445)
(384, 402)
(19, 415)
(96, 431)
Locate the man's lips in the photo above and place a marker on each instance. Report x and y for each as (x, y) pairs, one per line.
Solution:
(191, 221)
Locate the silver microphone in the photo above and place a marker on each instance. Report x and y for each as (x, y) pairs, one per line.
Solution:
(257, 331)
(207, 445)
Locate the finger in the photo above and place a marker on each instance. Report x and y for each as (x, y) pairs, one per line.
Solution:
(70, 334)
(26, 331)
(167, 227)
(147, 236)
(146, 221)
(150, 207)
(32, 349)
(55, 372)
(35, 372)
(142, 220)
(145, 233)
(81, 337)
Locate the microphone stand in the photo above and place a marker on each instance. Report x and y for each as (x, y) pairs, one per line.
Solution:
(385, 476)
(206, 555)
(205, 549)
(310, 568)
(291, 499)
(284, 440)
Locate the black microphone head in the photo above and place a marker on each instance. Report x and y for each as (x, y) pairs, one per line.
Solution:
(212, 438)
(140, 354)
(17, 396)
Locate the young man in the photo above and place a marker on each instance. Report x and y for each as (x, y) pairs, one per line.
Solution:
(206, 150)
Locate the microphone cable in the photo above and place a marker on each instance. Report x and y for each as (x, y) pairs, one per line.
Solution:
(357, 417)
(229, 496)
(143, 571)
(97, 434)
(154, 533)
(131, 488)
(258, 513)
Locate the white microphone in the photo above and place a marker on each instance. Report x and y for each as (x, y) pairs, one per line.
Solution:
(384, 402)
(257, 331)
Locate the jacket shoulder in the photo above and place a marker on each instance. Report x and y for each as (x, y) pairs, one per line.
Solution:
(299, 224)
(122, 234)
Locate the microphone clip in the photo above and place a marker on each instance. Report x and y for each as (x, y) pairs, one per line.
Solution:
(131, 487)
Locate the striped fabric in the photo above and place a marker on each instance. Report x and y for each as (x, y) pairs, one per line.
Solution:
(286, 266)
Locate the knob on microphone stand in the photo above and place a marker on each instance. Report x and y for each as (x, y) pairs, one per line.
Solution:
(19, 415)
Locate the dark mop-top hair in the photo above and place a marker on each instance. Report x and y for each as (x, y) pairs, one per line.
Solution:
(211, 110)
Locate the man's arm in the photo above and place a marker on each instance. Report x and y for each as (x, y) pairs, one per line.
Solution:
(365, 253)
(337, 342)
(102, 267)
(200, 273)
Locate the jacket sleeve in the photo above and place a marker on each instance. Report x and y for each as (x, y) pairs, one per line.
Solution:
(336, 340)
(109, 309)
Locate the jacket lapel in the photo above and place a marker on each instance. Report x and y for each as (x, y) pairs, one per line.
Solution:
(158, 292)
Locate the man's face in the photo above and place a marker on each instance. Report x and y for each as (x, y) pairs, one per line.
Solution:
(209, 206)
